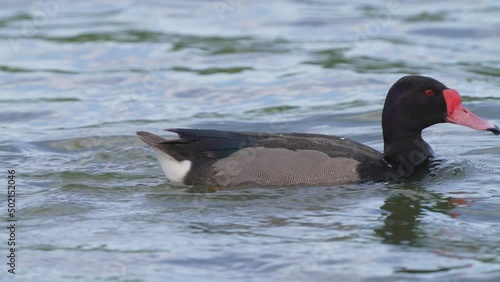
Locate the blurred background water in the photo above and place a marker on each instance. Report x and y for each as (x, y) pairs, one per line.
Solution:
(78, 79)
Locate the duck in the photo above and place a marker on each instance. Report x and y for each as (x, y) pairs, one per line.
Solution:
(233, 158)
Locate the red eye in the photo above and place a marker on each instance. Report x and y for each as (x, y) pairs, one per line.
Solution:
(429, 92)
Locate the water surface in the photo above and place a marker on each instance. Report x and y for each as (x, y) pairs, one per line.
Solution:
(79, 79)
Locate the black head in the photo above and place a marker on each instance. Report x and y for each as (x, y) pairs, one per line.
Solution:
(414, 103)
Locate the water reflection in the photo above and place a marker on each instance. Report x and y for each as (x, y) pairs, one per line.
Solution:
(405, 210)
(401, 226)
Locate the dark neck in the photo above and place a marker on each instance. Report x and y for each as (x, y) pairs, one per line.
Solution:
(405, 150)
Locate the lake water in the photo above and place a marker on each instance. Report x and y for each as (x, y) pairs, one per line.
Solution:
(92, 204)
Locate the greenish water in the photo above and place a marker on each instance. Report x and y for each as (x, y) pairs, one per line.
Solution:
(79, 79)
